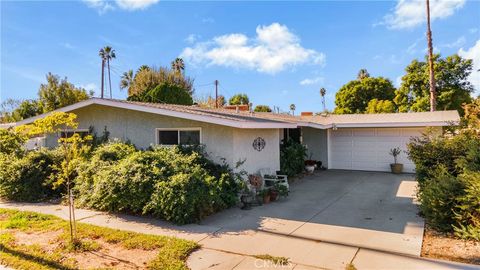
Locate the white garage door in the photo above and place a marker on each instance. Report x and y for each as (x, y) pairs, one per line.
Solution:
(368, 148)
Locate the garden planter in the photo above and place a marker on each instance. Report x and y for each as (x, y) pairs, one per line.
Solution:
(266, 199)
(396, 168)
(309, 168)
(273, 195)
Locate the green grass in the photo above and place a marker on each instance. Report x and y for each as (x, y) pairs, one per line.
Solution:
(172, 252)
(275, 259)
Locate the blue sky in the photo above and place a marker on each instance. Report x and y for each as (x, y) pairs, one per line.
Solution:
(277, 52)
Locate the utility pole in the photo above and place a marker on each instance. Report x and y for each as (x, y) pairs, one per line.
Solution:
(433, 100)
(216, 93)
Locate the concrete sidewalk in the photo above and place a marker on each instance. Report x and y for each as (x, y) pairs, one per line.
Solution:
(223, 249)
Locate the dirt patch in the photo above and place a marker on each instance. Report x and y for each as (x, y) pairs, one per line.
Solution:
(116, 256)
(46, 240)
(445, 246)
(107, 256)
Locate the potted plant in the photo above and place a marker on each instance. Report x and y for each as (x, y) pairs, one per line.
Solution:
(395, 166)
(282, 190)
(265, 194)
(310, 165)
(273, 194)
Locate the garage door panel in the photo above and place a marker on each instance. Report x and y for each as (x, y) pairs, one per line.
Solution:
(369, 148)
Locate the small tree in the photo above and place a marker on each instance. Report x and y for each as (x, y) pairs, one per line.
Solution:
(239, 99)
(292, 108)
(73, 147)
(395, 152)
(262, 108)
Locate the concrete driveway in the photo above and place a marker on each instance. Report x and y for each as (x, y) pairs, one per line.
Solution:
(370, 210)
(330, 219)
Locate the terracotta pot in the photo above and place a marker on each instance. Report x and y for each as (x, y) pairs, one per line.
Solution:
(396, 168)
(266, 198)
(273, 195)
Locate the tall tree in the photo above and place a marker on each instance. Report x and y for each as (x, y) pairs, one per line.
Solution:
(380, 106)
(451, 77)
(126, 80)
(433, 101)
(362, 74)
(354, 96)
(293, 108)
(323, 92)
(148, 78)
(101, 53)
(178, 66)
(107, 54)
(58, 93)
(239, 99)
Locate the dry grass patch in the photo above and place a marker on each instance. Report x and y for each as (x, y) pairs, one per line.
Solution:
(445, 246)
(35, 241)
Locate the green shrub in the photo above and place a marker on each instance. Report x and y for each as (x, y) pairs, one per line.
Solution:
(28, 178)
(11, 142)
(448, 171)
(467, 210)
(437, 198)
(292, 158)
(179, 185)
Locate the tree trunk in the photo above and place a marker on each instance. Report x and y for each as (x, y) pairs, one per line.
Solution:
(103, 79)
(433, 100)
(109, 79)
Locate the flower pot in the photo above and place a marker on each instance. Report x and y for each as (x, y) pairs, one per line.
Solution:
(273, 195)
(310, 168)
(266, 198)
(396, 168)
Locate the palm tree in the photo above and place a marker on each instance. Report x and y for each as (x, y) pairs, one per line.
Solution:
(101, 54)
(362, 74)
(126, 79)
(178, 66)
(107, 53)
(142, 68)
(433, 100)
(292, 108)
(323, 92)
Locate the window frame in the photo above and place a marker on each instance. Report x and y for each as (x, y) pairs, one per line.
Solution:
(78, 130)
(157, 142)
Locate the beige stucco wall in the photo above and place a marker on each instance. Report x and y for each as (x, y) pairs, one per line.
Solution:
(317, 144)
(268, 158)
(220, 142)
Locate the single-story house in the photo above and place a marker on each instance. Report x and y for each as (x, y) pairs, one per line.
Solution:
(350, 142)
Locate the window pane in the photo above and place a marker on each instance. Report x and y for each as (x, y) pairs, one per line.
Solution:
(189, 137)
(168, 137)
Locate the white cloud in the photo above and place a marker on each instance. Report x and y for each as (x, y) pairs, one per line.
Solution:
(103, 6)
(273, 49)
(474, 54)
(473, 30)
(456, 44)
(135, 4)
(90, 87)
(410, 13)
(191, 38)
(310, 81)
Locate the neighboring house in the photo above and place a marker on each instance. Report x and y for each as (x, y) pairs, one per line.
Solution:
(351, 142)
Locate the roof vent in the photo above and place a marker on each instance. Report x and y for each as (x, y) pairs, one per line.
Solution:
(307, 114)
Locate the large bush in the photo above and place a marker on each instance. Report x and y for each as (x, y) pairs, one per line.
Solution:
(28, 178)
(176, 184)
(11, 142)
(292, 158)
(448, 172)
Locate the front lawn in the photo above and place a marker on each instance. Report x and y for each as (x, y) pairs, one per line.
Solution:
(35, 241)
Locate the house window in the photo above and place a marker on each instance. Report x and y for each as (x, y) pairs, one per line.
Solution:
(69, 133)
(178, 136)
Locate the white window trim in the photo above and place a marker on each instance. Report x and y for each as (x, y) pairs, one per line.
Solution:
(199, 129)
(78, 130)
